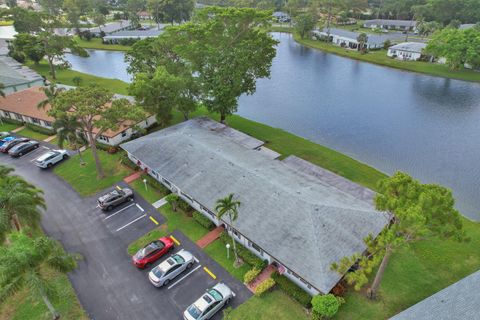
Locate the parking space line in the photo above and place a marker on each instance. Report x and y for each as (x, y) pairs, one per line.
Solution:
(210, 273)
(139, 207)
(45, 147)
(196, 260)
(175, 240)
(179, 280)
(31, 153)
(143, 216)
(118, 187)
(153, 220)
(123, 209)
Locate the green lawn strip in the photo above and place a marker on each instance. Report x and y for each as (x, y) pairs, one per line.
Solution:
(415, 273)
(218, 252)
(151, 194)
(29, 133)
(84, 178)
(8, 127)
(97, 44)
(380, 57)
(272, 305)
(66, 76)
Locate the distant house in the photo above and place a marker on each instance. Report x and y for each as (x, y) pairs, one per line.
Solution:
(132, 34)
(109, 28)
(144, 15)
(15, 77)
(281, 16)
(348, 39)
(411, 51)
(466, 26)
(298, 217)
(401, 25)
(461, 300)
(22, 106)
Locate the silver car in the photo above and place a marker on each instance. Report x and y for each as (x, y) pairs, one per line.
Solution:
(210, 303)
(166, 271)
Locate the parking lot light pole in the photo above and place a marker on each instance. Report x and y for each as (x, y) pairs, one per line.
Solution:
(145, 183)
(228, 250)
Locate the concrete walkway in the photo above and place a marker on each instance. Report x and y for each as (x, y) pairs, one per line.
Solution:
(264, 275)
(132, 177)
(160, 202)
(50, 138)
(18, 129)
(210, 237)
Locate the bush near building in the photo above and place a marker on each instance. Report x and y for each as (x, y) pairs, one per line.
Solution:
(42, 130)
(290, 288)
(251, 275)
(264, 286)
(202, 220)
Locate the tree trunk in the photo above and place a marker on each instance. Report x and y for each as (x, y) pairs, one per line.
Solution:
(16, 222)
(98, 164)
(50, 307)
(372, 292)
(222, 118)
(52, 68)
(80, 156)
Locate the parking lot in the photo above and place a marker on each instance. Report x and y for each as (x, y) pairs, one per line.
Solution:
(107, 283)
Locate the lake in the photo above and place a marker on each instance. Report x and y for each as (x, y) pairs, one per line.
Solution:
(390, 119)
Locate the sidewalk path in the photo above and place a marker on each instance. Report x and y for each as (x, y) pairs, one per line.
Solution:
(160, 202)
(264, 275)
(210, 237)
(132, 177)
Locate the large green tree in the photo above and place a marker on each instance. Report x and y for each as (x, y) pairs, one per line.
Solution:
(176, 10)
(304, 24)
(52, 7)
(21, 264)
(27, 46)
(97, 112)
(228, 207)
(416, 212)
(26, 21)
(20, 201)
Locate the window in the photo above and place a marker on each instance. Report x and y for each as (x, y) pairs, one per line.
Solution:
(235, 232)
(254, 246)
(7, 114)
(103, 138)
(166, 182)
(124, 134)
(186, 196)
(47, 123)
(19, 117)
(35, 120)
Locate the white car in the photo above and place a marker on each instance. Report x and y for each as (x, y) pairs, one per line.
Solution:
(166, 271)
(50, 158)
(210, 303)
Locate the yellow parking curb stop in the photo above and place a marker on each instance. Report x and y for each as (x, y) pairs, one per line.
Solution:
(153, 220)
(175, 240)
(210, 273)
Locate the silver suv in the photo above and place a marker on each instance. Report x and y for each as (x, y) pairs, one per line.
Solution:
(210, 303)
(114, 198)
(166, 271)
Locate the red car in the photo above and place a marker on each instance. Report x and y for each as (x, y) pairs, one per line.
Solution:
(152, 252)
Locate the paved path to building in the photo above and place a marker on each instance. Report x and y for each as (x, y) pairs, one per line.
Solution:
(160, 202)
(132, 177)
(50, 138)
(18, 129)
(210, 237)
(264, 275)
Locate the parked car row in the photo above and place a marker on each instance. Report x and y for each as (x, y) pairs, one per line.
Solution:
(18, 146)
(161, 275)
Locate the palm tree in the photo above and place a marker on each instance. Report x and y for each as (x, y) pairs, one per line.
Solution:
(51, 92)
(229, 207)
(18, 200)
(21, 265)
(362, 40)
(2, 93)
(68, 129)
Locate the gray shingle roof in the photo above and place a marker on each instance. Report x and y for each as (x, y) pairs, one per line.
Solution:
(416, 47)
(302, 215)
(373, 39)
(13, 73)
(461, 300)
(154, 32)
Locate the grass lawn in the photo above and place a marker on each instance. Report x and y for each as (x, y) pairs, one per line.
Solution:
(24, 305)
(65, 76)
(96, 43)
(29, 133)
(151, 194)
(84, 178)
(4, 126)
(4, 23)
(272, 305)
(380, 57)
(217, 251)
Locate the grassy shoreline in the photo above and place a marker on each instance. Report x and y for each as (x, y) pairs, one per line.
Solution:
(97, 44)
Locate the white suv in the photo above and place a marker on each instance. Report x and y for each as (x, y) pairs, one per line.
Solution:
(48, 159)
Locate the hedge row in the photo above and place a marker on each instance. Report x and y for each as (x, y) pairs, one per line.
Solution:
(125, 160)
(244, 253)
(202, 220)
(39, 129)
(251, 275)
(264, 286)
(106, 147)
(155, 184)
(293, 290)
(12, 121)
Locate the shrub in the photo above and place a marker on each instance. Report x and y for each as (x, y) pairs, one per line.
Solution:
(127, 162)
(39, 129)
(326, 306)
(293, 290)
(173, 200)
(12, 121)
(387, 44)
(202, 220)
(251, 275)
(244, 253)
(264, 286)
(184, 206)
(106, 147)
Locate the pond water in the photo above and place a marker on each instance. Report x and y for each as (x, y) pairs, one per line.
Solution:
(390, 119)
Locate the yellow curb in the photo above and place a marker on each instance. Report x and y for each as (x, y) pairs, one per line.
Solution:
(210, 273)
(153, 220)
(175, 240)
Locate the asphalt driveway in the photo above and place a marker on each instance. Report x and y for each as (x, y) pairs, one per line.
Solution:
(107, 284)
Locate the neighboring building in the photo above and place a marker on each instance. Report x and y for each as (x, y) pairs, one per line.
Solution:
(348, 39)
(109, 28)
(281, 16)
(15, 77)
(401, 25)
(461, 300)
(132, 34)
(466, 26)
(411, 51)
(22, 106)
(293, 214)
(144, 15)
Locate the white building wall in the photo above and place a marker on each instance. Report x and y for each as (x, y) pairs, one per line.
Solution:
(404, 55)
(127, 134)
